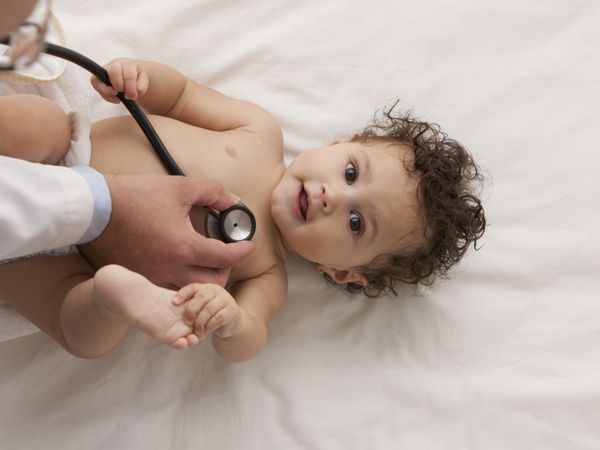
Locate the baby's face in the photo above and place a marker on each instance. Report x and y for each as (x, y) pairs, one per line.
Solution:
(344, 204)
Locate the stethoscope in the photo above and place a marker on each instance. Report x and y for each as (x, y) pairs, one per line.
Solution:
(234, 224)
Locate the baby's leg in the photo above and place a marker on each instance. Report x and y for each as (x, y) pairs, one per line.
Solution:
(89, 315)
(36, 287)
(123, 295)
(33, 128)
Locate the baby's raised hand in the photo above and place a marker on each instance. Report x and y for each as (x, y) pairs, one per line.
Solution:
(127, 76)
(209, 307)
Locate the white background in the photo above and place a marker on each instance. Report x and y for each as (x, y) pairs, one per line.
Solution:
(505, 355)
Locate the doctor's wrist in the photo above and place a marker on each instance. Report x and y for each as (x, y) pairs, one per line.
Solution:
(102, 202)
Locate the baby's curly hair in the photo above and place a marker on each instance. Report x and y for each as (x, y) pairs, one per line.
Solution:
(452, 214)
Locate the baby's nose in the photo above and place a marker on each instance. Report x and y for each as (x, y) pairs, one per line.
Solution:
(330, 198)
(324, 204)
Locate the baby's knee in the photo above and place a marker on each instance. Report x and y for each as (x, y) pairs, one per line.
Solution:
(33, 128)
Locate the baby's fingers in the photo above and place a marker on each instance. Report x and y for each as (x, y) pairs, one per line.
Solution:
(206, 314)
(114, 69)
(221, 317)
(192, 308)
(107, 92)
(142, 83)
(184, 294)
(130, 81)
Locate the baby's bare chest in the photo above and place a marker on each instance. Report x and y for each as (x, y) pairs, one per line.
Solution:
(237, 159)
(240, 161)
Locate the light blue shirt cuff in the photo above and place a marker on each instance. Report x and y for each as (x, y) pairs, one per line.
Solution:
(102, 202)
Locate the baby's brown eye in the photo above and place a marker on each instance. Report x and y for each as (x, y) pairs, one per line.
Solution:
(351, 173)
(356, 223)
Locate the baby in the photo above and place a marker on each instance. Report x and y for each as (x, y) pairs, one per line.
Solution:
(394, 203)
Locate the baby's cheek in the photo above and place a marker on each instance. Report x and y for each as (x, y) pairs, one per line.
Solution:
(323, 249)
(309, 246)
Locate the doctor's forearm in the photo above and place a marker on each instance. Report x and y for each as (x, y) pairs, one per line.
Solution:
(42, 207)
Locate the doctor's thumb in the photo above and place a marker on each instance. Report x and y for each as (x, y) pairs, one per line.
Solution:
(239, 250)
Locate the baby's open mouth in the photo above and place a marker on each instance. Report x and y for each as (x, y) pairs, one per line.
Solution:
(303, 203)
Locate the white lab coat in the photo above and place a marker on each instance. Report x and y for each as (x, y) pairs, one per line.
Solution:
(42, 207)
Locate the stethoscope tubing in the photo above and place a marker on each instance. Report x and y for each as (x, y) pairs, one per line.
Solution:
(152, 136)
(99, 72)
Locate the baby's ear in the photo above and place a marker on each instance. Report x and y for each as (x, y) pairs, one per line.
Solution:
(344, 276)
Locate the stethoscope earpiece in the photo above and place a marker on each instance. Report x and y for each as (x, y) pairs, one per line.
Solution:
(235, 224)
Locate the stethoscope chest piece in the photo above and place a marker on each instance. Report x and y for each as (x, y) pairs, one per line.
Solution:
(232, 225)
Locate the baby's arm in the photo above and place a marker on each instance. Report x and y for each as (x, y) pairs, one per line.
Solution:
(239, 325)
(162, 90)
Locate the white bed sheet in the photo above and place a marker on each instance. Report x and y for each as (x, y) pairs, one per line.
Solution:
(506, 355)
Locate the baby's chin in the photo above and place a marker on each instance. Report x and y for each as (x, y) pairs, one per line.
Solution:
(292, 246)
(284, 239)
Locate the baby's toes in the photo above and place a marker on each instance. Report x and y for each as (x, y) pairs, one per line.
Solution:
(176, 335)
(184, 342)
(199, 331)
(180, 343)
(192, 340)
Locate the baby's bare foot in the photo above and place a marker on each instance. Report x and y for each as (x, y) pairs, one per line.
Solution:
(126, 294)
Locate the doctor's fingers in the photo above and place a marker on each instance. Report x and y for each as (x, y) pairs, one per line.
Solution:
(216, 254)
(195, 274)
(205, 192)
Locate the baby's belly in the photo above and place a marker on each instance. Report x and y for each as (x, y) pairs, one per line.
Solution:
(119, 146)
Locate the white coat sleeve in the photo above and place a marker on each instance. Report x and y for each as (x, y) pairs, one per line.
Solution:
(44, 207)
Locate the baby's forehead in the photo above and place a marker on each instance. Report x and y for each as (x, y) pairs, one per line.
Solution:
(401, 224)
(397, 210)
(382, 143)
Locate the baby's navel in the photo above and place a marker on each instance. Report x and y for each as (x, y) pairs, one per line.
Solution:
(230, 151)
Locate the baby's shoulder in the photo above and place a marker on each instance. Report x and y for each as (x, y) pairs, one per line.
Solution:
(267, 262)
(263, 129)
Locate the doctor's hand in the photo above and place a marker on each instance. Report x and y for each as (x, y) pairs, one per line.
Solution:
(150, 230)
(126, 75)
